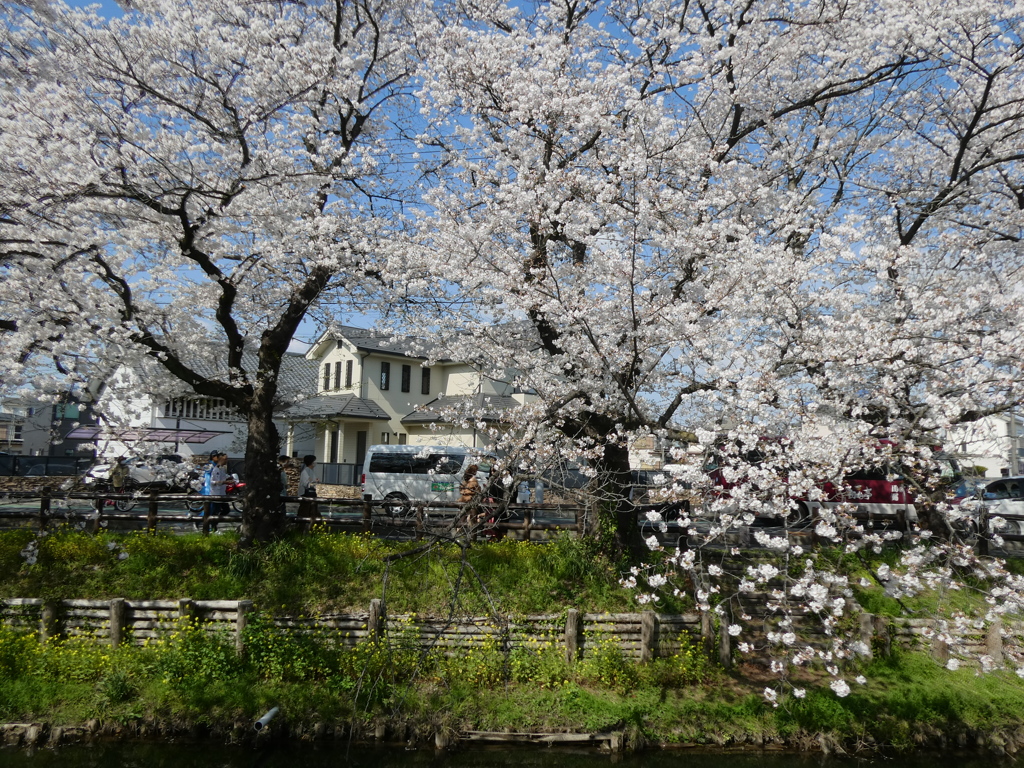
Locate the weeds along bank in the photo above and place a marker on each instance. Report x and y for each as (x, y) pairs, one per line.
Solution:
(193, 681)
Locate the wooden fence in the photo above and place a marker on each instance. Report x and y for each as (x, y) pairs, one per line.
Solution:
(641, 636)
(417, 519)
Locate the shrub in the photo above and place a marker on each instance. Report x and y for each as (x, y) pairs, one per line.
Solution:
(690, 665)
(605, 664)
(194, 657)
(19, 652)
(539, 662)
(288, 657)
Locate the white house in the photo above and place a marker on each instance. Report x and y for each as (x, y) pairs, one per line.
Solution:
(373, 389)
(189, 425)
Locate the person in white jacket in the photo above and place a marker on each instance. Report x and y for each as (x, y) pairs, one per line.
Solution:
(307, 489)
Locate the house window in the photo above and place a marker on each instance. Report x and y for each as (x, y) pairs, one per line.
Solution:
(425, 383)
(66, 411)
(327, 376)
(385, 376)
(348, 374)
(385, 438)
(208, 408)
(337, 375)
(402, 438)
(406, 378)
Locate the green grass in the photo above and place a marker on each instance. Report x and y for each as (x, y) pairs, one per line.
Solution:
(318, 572)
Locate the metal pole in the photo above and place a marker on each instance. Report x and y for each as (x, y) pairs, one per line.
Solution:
(1014, 452)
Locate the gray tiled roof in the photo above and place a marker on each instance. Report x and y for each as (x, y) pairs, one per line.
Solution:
(486, 407)
(336, 406)
(298, 376)
(371, 341)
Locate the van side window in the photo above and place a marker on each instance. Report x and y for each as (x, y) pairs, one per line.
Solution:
(436, 463)
(391, 462)
(449, 465)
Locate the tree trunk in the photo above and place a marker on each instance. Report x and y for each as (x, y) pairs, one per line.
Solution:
(617, 525)
(263, 517)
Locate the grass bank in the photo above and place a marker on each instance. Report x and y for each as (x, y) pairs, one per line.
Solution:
(320, 572)
(194, 679)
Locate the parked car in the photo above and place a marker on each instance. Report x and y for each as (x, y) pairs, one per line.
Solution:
(50, 467)
(166, 471)
(1002, 497)
(1005, 498)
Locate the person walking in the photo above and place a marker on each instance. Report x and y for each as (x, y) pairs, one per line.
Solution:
(218, 487)
(469, 492)
(469, 488)
(207, 471)
(118, 478)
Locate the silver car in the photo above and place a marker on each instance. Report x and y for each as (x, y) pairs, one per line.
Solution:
(1005, 498)
(168, 470)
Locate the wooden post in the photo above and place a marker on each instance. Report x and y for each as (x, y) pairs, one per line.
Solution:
(724, 643)
(940, 650)
(367, 512)
(186, 611)
(154, 500)
(581, 520)
(884, 635)
(419, 522)
(375, 623)
(648, 636)
(994, 641)
(44, 508)
(707, 632)
(527, 524)
(241, 621)
(49, 624)
(118, 615)
(573, 627)
(206, 518)
(867, 632)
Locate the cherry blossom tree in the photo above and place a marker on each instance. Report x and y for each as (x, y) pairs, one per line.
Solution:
(793, 227)
(181, 186)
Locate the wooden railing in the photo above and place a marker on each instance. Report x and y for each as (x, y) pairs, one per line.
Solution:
(418, 519)
(150, 510)
(573, 633)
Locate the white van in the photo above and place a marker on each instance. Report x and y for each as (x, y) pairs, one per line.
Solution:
(430, 473)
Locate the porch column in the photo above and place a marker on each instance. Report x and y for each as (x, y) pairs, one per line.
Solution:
(324, 449)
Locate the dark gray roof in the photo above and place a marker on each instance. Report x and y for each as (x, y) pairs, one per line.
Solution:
(371, 341)
(479, 406)
(298, 376)
(336, 406)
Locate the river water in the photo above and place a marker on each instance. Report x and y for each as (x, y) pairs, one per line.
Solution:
(129, 755)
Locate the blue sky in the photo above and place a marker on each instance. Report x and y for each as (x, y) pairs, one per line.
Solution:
(108, 8)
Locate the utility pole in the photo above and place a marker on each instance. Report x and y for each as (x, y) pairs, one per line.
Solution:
(1011, 429)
